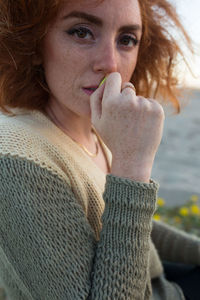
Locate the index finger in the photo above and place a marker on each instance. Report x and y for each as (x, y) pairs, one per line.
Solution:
(112, 86)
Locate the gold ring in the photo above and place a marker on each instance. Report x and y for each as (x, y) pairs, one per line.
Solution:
(129, 85)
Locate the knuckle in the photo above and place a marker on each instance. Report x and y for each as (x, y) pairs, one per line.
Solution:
(152, 107)
(158, 110)
(128, 102)
(127, 97)
(144, 104)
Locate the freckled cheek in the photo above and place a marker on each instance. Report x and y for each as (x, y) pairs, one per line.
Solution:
(73, 60)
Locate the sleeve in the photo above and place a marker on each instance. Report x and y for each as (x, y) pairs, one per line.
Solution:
(175, 245)
(49, 242)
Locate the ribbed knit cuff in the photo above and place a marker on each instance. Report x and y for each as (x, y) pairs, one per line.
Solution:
(126, 190)
(126, 199)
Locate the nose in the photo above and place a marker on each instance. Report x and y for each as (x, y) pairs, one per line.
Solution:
(106, 58)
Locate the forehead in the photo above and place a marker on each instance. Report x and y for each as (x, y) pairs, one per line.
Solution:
(116, 11)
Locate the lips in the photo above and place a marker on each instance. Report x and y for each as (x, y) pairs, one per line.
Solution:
(90, 89)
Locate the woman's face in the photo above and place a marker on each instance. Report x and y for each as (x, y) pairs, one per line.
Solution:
(85, 43)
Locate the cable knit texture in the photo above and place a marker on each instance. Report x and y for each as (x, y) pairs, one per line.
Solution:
(69, 232)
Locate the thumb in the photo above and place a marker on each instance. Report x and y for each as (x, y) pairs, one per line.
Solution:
(96, 104)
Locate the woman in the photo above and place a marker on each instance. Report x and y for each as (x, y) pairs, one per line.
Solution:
(74, 223)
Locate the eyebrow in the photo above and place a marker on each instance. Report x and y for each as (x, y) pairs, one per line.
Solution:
(97, 21)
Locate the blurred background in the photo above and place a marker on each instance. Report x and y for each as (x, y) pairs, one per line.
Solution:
(177, 164)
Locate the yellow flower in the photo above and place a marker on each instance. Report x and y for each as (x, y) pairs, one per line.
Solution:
(161, 202)
(157, 217)
(184, 211)
(195, 210)
(194, 198)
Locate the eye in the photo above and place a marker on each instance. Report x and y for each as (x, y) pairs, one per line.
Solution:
(81, 33)
(128, 41)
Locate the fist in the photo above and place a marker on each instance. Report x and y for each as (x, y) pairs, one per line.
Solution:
(131, 126)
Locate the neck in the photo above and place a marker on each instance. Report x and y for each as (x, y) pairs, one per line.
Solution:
(77, 127)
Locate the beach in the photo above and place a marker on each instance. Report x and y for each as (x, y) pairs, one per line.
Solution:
(177, 163)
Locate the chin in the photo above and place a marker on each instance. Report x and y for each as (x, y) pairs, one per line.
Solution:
(85, 113)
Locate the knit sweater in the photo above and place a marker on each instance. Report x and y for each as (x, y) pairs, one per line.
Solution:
(67, 231)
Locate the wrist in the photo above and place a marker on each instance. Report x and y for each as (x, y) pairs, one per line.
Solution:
(134, 171)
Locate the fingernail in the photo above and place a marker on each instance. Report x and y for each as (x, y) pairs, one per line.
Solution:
(102, 82)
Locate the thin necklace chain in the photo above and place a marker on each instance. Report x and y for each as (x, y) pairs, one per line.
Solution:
(86, 150)
(52, 117)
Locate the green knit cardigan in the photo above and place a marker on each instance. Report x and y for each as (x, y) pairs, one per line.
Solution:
(67, 231)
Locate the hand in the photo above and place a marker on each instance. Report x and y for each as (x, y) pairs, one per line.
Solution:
(131, 126)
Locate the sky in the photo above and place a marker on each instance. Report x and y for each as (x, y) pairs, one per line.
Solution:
(189, 12)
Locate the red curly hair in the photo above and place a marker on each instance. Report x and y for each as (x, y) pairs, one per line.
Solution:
(23, 24)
